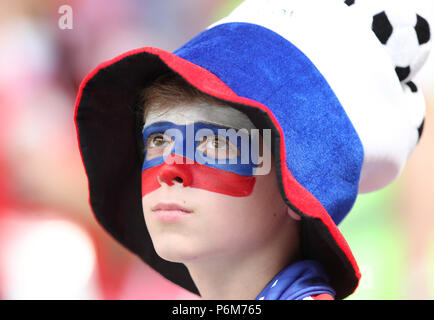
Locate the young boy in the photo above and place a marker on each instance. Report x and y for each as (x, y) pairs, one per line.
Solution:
(232, 231)
(338, 127)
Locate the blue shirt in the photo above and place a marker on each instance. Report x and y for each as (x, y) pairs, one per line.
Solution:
(297, 281)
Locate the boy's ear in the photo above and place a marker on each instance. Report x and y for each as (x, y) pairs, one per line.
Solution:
(293, 215)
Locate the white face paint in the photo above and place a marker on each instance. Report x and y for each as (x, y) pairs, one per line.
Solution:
(182, 114)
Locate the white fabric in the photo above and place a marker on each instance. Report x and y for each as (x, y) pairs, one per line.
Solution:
(340, 43)
(403, 46)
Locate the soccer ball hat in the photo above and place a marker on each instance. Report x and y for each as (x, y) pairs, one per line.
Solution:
(340, 100)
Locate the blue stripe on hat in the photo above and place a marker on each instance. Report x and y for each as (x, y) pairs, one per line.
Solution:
(323, 150)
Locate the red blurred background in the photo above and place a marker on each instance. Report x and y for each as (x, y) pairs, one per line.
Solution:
(51, 247)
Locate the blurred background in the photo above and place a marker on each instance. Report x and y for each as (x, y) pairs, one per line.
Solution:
(51, 247)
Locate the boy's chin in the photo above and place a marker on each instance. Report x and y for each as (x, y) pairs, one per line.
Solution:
(179, 255)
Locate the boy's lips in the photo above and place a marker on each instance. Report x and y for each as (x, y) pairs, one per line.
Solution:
(170, 212)
(171, 206)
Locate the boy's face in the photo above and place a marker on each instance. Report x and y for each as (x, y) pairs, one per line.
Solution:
(226, 209)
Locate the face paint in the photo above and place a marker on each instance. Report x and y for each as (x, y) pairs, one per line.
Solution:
(201, 145)
(201, 155)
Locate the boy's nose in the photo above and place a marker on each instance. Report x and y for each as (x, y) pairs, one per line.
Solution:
(175, 171)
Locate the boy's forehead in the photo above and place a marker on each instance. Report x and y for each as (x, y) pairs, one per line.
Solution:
(182, 114)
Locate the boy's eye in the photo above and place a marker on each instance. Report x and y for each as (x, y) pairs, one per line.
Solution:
(157, 144)
(215, 146)
(157, 140)
(218, 147)
(217, 143)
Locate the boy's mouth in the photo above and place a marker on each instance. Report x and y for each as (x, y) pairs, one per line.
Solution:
(171, 206)
(170, 212)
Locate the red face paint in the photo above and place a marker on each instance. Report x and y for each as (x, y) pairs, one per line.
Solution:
(196, 175)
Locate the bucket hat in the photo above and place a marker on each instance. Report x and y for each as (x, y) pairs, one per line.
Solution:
(343, 121)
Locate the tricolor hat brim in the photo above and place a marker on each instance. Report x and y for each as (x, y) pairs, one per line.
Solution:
(318, 155)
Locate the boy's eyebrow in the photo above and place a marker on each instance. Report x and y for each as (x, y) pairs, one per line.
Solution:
(185, 113)
(201, 121)
(216, 124)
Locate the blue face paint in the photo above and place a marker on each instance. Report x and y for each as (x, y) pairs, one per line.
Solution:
(195, 142)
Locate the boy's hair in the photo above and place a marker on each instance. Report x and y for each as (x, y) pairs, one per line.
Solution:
(170, 89)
